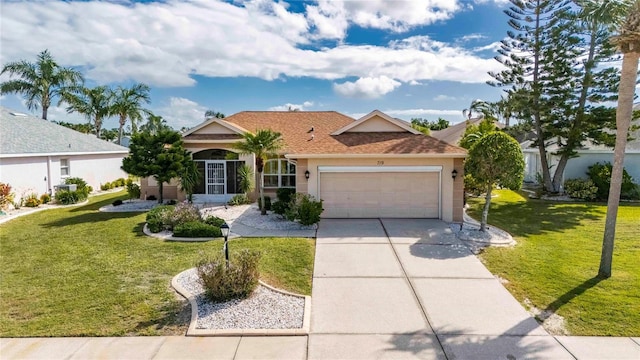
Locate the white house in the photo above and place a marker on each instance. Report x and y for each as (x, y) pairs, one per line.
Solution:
(36, 155)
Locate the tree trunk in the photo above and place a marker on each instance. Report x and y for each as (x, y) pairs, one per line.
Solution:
(624, 113)
(123, 120)
(98, 126)
(263, 208)
(161, 192)
(44, 112)
(559, 173)
(485, 210)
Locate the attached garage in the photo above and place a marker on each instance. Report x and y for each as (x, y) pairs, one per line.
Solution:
(373, 191)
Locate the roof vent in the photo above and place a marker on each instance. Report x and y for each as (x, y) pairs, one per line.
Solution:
(312, 137)
(310, 130)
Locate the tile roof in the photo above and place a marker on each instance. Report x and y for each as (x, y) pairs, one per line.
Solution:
(454, 133)
(295, 127)
(28, 135)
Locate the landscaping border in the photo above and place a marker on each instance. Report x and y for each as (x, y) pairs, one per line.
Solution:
(193, 331)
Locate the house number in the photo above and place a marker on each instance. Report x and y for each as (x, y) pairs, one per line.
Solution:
(380, 163)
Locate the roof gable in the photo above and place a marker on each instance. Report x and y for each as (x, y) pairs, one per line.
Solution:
(377, 121)
(216, 126)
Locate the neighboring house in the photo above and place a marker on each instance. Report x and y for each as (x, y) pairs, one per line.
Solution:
(454, 133)
(36, 155)
(588, 155)
(376, 166)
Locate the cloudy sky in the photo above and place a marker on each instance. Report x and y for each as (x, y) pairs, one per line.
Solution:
(425, 58)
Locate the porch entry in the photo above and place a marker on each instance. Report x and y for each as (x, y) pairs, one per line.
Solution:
(219, 180)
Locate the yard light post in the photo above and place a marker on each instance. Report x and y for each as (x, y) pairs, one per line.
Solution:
(224, 228)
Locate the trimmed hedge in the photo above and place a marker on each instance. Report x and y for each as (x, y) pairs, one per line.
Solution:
(194, 229)
(583, 189)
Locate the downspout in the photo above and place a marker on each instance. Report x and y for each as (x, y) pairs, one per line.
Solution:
(48, 178)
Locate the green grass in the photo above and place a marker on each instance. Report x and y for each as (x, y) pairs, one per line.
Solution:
(556, 259)
(80, 272)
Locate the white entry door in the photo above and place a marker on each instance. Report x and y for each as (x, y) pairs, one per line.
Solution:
(216, 176)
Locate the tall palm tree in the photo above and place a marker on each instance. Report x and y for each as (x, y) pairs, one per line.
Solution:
(154, 125)
(127, 103)
(94, 104)
(40, 82)
(476, 106)
(263, 144)
(213, 114)
(624, 15)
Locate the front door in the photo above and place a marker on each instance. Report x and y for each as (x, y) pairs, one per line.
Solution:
(215, 177)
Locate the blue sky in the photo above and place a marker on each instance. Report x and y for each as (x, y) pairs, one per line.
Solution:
(424, 59)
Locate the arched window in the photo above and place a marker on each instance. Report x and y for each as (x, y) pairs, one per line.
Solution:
(279, 173)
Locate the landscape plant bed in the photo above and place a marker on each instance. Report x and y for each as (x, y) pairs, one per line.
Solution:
(555, 262)
(80, 272)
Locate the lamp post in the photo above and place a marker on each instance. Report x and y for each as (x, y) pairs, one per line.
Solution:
(224, 228)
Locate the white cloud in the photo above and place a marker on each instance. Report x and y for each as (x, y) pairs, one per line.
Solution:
(494, 46)
(368, 87)
(289, 106)
(407, 114)
(443, 98)
(471, 37)
(181, 112)
(166, 43)
(415, 83)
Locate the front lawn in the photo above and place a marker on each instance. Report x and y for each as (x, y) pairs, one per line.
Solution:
(556, 259)
(80, 272)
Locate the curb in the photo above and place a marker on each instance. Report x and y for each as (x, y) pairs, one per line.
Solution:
(170, 237)
(193, 331)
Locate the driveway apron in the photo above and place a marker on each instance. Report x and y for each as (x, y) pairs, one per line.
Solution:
(408, 289)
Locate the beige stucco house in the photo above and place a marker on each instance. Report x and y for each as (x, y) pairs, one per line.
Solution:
(376, 166)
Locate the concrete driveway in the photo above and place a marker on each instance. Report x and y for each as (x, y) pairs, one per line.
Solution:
(407, 288)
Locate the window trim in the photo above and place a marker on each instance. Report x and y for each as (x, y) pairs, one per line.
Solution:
(279, 173)
(67, 166)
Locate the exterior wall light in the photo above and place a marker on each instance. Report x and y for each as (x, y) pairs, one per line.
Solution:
(454, 174)
(307, 174)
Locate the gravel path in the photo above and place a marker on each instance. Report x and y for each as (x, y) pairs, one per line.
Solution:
(250, 215)
(264, 309)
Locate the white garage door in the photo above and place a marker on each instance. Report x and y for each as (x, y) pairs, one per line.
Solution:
(366, 194)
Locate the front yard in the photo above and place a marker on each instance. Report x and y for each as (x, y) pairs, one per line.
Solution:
(80, 272)
(556, 260)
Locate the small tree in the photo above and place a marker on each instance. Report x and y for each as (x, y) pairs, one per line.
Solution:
(162, 156)
(495, 160)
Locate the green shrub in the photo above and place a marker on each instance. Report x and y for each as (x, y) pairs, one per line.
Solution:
(236, 282)
(284, 195)
(31, 200)
(267, 202)
(600, 174)
(133, 190)
(214, 220)
(473, 187)
(156, 216)
(305, 209)
(239, 199)
(82, 189)
(583, 189)
(105, 187)
(6, 196)
(117, 202)
(66, 197)
(280, 207)
(120, 182)
(632, 194)
(196, 229)
(45, 198)
(182, 213)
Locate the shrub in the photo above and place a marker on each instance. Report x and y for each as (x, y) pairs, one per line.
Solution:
(600, 174)
(267, 203)
(66, 197)
(214, 220)
(305, 209)
(182, 213)
(82, 189)
(105, 187)
(31, 200)
(632, 194)
(156, 216)
(133, 190)
(117, 203)
(6, 196)
(237, 281)
(239, 199)
(152, 197)
(171, 202)
(120, 182)
(196, 229)
(45, 198)
(473, 187)
(284, 195)
(583, 189)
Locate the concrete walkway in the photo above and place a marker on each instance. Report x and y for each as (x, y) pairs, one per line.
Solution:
(382, 289)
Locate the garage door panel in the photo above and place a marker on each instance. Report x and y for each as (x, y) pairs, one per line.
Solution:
(363, 195)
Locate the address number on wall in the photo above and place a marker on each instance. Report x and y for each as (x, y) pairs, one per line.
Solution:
(380, 162)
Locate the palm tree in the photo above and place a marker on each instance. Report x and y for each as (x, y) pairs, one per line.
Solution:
(476, 106)
(155, 124)
(264, 144)
(94, 104)
(213, 114)
(624, 15)
(127, 103)
(41, 82)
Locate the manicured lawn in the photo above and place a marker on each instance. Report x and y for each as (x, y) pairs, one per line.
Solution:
(80, 272)
(556, 260)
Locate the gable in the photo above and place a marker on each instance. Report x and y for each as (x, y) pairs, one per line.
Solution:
(376, 124)
(215, 128)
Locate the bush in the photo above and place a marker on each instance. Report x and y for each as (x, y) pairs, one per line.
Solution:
(182, 213)
(31, 200)
(284, 195)
(473, 187)
(6, 196)
(152, 197)
(237, 281)
(117, 203)
(600, 174)
(120, 182)
(156, 216)
(267, 203)
(239, 199)
(82, 189)
(133, 190)
(583, 189)
(633, 194)
(171, 202)
(305, 209)
(45, 198)
(196, 229)
(214, 220)
(66, 197)
(106, 186)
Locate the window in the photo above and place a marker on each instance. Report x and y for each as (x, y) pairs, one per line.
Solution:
(279, 173)
(64, 168)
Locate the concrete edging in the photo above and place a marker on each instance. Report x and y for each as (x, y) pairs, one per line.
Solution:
(193, 331)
